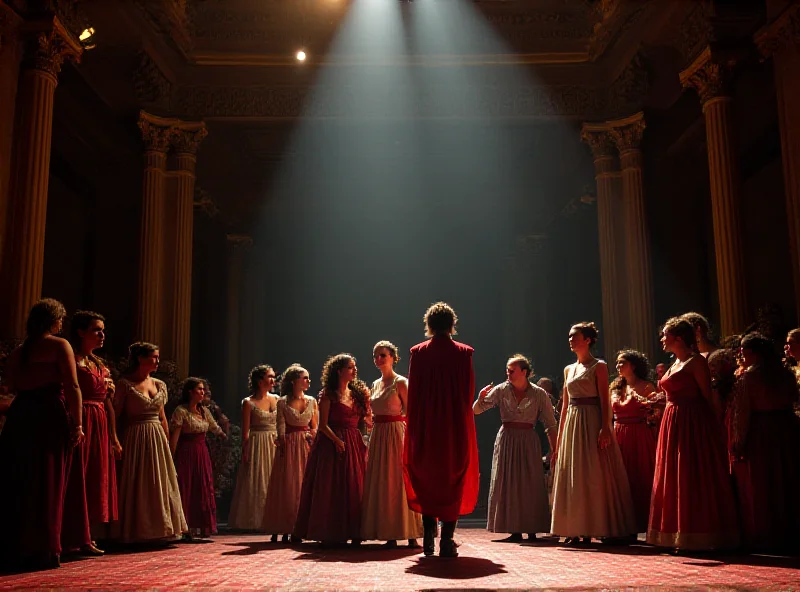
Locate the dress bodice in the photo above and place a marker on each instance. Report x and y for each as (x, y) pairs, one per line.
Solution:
(342, 416)
(264, 421)
(385, 400)
(581, 381)
(137, 406)
(680, 386)
(631, 408)
(288, 415)
(191, 423)
(92, 382)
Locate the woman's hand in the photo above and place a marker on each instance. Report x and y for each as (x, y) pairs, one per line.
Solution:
(116, 448)
(339, 443)
(76, 436)
(604, 438)
(485, 390)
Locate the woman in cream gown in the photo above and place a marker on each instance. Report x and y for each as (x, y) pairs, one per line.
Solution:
(149, 498)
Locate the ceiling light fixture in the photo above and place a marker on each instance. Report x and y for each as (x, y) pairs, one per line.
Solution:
(86, 38)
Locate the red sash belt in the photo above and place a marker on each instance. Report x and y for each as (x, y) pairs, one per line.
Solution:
(290, 429)
(584, 401)
(517, 425)
(630, 420)
(388, 418)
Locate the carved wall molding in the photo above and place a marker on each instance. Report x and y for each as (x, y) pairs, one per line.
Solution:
(151, 85)
(629, 91)
(614, 24)
(782, 32)
(170, 19)
(696, 31)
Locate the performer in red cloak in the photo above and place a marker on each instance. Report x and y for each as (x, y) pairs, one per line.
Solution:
(441, 451)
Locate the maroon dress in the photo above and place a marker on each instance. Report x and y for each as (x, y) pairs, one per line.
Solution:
(330, 500)
(638, 447)
(765, 448)
(692, 505)
(92, 487)
(34, 459)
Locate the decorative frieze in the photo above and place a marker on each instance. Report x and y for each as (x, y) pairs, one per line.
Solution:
(781, 32)
(151, 86)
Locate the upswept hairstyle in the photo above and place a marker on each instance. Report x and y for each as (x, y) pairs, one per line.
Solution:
(257, 374)
(291, 374)
(440, 319)
(81, 321)
(724, 360)
(188, 386)
(41, 318)
(588, 330)
(330, 381)
(523, 363)
(641, 368)
(681, 328)
(698, 321)
(139, 350)
(769, 365)
(383, 344)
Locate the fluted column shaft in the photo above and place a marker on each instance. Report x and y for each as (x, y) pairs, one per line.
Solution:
(709, 78)
(45, 53)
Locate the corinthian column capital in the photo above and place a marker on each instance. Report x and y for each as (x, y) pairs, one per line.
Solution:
(156, 132)
(781, 32)
(708, 76)
(598, 137)
(628, 132)
(186, 137)
(48, 45)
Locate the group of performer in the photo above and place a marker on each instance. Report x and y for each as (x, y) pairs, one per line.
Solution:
(307, 474)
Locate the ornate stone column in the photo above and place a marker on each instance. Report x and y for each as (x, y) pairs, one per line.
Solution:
(709, 78)
(156, 133)
(185, 141)
(238, 245)
(10, 56)
(606, 166)
(627, 134)
(46, 46)
(780, 40)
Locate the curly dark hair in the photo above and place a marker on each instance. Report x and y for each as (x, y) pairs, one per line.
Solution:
(440, 319)
(680, 328)
(588, 330)
(291, 374)
(41, 318)
(722, 365)
(256, 375)
(522, 362)
(641, 368)
(330, 382)
(188, 386)
(139, 350)
(770, 365)
(698, 321)
(383, 344)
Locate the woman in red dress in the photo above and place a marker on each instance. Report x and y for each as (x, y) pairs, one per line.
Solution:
(630, 401)
(330, 500)
(44, 422)
(765, 447)
(91, 497)
(692, 506)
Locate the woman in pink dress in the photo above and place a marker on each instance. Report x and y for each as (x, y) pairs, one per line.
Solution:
(631, 392)
(44, 422)
(297, 419)
(765, 448)
(188, 427)
(91, 498)
(692, 505)
(330, 501)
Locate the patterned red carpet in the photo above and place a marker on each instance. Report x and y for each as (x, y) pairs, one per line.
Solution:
(236, 562)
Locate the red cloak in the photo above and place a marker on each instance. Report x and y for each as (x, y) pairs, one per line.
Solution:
(441, 451)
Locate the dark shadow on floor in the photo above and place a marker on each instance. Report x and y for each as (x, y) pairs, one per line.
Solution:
(254, 547)
(456, 568)
(347, 554)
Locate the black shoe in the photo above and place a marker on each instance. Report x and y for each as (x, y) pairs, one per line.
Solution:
(390, 545)
(515, 537)
(429, 535)
(448, 548)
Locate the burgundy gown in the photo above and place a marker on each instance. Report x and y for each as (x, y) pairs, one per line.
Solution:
(765, 448)
(692, 506)
(330, 500)
(441, 450)
(34, 460)
(92, 486)
(638, 447)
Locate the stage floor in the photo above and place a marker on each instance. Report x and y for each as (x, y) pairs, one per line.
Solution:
(238, 562)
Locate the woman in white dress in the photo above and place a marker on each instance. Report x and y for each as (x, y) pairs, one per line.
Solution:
(385, 515)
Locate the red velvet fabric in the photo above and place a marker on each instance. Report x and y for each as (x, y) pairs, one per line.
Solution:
(196, 483)
(441, 450)
(638, 447)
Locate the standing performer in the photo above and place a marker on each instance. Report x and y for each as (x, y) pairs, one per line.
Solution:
(630, 400)
(692, 505)
(517, 495)
(441, 450)
(591, 494)
(330, 501)
(189, 424)
(297, 419)
(259, 433)
(92, 490)
(765, 448)
(702, 333)
(149, 498)
(385, 514)
(36, 442)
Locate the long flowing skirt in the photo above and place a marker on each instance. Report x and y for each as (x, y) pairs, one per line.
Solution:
(196, 483)
(768, 481)
(591, 494)
(638, 447)
(330, 501)
(34, 459)
(149, 497)
(692, 506)
(252, 481)
(75, 532)
(285, 485)
(385, 514)
(517, 494)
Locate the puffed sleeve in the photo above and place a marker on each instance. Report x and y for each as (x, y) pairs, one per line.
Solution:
(490, 400)
(213, 426)
(280, 418)
(546, 412)
(179, 417)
